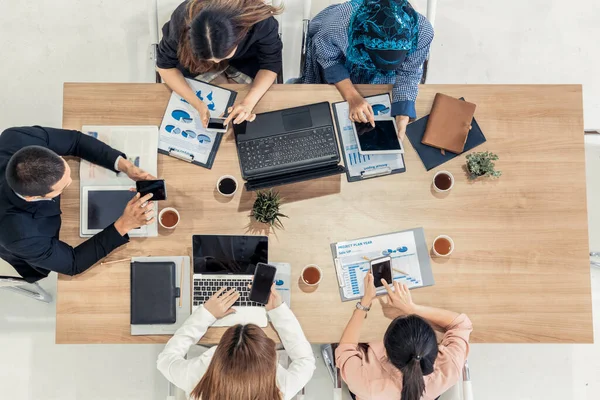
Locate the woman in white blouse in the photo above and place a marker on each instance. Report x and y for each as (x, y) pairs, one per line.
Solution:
(244, 364)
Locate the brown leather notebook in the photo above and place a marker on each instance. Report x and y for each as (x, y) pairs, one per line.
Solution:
(449, 123)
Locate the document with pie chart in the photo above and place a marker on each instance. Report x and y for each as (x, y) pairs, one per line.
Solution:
(182, 134)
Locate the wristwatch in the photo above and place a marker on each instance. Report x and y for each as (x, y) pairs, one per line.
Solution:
(361, 307)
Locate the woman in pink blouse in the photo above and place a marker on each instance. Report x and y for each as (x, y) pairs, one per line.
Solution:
(409, 364)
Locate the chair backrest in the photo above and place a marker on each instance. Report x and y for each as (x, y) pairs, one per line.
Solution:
(592, 155)
(8, 275)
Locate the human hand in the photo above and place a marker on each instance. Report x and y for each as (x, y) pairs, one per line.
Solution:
(361, 110)
(274, 299)
(239, 113)
(219, 304)
(400, 299)
(138, 212)
(402, 122)
(202, 109)
(370, 291)
(133, 172)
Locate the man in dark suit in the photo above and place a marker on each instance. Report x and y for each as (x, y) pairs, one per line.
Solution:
(32, 176)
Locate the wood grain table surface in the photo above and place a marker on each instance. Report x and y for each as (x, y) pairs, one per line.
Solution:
(520, 269)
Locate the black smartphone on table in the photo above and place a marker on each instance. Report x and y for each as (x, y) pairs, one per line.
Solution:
(157, 188)
(264, 276)
(382, 269)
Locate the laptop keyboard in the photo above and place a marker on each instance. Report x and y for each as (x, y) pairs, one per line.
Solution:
(289, 149)
(205, 288)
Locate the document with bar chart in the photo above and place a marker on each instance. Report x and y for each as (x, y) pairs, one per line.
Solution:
(361, 166)
(410, 261)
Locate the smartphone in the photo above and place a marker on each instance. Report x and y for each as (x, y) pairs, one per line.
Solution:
(264, 276)
(217, 125)
(382, 269)
(157, 188)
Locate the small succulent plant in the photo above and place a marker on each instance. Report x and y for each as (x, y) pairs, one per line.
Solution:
(482, 164)
(266, 208)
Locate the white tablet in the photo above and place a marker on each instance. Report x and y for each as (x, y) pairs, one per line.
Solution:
(380, 139)
(102, 206)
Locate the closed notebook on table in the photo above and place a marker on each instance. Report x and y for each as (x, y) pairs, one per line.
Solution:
(449, 123)
(153, 293)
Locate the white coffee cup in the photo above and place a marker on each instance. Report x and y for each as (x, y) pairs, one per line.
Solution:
(227, 177)
(439, 190)
(315, 266)
(165, 210)
(451, 245)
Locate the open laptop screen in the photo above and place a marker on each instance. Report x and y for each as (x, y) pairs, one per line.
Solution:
(225, 254)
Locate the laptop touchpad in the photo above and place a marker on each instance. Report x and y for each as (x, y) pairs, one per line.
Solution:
(298, 118)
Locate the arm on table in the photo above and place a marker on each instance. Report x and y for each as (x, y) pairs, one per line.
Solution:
(53, 255)
(66, 142)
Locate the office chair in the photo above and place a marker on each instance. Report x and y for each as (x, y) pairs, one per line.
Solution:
(306, 16)
(11, 281)
(159, 13)
(454, 393)
(592, 150)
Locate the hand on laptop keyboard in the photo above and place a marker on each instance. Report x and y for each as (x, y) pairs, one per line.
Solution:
(205, 288)
(220, 303)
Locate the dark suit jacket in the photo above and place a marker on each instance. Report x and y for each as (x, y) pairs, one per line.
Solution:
(29, 230)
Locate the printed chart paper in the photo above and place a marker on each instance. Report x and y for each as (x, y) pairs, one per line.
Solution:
(181, 130)
(355, 255)
(139, 143)
(357, 163)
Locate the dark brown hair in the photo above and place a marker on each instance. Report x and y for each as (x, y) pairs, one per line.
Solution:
(244, 366)
(213, 28)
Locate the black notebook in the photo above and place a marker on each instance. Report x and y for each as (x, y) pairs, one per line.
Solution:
(153, 293)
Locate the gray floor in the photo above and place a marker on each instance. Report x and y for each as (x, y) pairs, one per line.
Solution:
(46, 43)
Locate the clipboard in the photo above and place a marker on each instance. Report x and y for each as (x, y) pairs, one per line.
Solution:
(181, 134)
(422, 252)
(370, 173)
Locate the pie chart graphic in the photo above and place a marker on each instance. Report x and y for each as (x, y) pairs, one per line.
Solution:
(203, 139)
(190, 134)
(172, 129)
(180, 115)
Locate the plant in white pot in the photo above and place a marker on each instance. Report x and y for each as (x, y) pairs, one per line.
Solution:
(482, 164)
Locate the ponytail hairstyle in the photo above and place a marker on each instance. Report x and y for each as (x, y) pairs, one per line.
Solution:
(411, 346)
(213, 29)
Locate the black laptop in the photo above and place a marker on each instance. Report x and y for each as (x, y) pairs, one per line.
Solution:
(288, 146)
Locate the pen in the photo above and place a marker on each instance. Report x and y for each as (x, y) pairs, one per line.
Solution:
(116, 261)
(181, 284)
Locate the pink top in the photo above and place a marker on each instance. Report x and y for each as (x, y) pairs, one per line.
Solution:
(377, 379)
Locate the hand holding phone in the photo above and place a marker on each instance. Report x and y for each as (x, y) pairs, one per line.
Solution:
(156, 187)
(381, 268)
(264, 276)
(216, 125)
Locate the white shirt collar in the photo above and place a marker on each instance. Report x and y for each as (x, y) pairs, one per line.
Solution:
(41, 199)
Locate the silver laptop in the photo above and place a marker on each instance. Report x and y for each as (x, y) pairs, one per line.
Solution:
(229, 261)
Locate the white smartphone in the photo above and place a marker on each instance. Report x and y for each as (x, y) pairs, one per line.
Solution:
(216, 125)
(379, 139)
(381, 268)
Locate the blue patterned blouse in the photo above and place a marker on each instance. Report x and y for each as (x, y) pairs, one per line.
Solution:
(326, 57)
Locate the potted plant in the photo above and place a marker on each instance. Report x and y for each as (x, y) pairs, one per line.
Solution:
(482, 164)
(266, 208)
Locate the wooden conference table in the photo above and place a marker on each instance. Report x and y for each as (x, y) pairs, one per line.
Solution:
(520, 269)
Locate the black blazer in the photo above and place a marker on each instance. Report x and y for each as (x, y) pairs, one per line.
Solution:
(29, 230)
(260, 49)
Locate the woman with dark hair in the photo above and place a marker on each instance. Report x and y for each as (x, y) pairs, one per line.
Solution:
(244, 365)
(409, 364)
(210, 38)
(371, 42)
